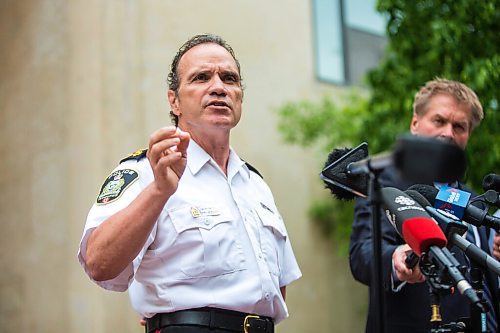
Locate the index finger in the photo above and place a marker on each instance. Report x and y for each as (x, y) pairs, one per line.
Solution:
(161, 134)
(184, 142)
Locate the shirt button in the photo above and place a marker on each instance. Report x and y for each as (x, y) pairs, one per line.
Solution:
(206, 221)
(267, 296)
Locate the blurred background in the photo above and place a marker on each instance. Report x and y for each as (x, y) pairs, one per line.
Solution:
(83, 84)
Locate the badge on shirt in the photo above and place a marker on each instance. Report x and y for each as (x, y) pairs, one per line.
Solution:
(204, 211)
(116, 184)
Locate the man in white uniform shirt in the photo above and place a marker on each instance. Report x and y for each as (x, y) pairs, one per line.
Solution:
(190, 229)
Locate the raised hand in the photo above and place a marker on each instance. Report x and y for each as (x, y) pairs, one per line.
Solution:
(167, 156)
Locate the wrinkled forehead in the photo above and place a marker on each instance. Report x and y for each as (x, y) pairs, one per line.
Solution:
(206, 56)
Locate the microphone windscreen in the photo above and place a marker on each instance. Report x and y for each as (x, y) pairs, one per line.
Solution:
(342, 185)
(491, 182)
(429, 192)
(422, 201)
(426, 159)
(420, 233)
(400, 207)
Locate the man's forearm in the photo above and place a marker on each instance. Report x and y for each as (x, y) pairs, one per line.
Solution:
(117, 241)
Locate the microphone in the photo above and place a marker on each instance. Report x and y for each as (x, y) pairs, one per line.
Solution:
(491, 182)
(454, 229)
(411, 221)
(457, 203)
(417, 158)
(471, 250)
(342, 185)
(425, 238)
(451, 228)
(452, 225)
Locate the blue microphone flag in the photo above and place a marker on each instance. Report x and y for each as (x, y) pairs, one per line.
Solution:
(452, 200)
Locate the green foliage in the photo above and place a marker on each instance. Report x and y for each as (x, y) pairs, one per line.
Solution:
(458, 40)
(453, 39)
(306, 123)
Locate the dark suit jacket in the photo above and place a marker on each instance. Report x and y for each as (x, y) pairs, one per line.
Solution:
(409, 309)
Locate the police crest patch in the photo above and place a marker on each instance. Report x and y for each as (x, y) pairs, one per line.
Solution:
(115, 184)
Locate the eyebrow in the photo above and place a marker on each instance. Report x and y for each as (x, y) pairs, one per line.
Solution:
(464, 123)
(209, 69)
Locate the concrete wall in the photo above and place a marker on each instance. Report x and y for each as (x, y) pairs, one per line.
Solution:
(82, 84)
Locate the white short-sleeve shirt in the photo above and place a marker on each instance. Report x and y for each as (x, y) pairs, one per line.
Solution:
(219, 241)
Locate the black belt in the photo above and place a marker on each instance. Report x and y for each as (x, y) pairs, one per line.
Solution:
(212, 318)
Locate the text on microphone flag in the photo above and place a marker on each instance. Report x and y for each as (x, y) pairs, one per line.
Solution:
(452, 200)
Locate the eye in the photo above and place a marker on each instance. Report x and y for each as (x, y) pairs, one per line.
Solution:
(438, 121)
(460, 128)
(201, 77)
(231, 78)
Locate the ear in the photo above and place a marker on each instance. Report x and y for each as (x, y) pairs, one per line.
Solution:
(414, 124)
(173, 99)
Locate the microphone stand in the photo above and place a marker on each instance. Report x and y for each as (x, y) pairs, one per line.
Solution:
(439, 288)
(479, 262)
(477, 317)
(377, 288)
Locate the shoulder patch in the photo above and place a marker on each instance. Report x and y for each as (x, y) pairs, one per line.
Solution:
(252, 168)
(116, 184)
(136, 155)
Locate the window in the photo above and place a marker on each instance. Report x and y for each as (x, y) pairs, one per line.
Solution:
(349, 37)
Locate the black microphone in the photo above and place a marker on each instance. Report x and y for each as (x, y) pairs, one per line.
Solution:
(342, 185)
(471, 213)
(491, 182)
(416, 158)
(452, 225)
(424, 236)
(450, 228)
(411, 221)
(471, 250)
(454, 229)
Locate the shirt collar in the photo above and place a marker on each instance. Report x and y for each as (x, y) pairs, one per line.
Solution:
(198, 157)
(236, 165)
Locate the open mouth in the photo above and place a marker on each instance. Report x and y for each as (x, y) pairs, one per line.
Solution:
(218, 103)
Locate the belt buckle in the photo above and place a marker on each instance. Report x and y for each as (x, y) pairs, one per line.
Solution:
(246, 323)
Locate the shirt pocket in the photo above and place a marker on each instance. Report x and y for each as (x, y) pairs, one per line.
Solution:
(272, 238)
(206, 245)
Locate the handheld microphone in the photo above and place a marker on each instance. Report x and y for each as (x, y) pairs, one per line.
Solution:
(453, 203)
(411, 221)
(450, 228)
(424, 236)
(451, 225)
(454, 230)
(491, 182)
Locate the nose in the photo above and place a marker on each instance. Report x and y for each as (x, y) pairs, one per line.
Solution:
(447, 132)
(217, 86)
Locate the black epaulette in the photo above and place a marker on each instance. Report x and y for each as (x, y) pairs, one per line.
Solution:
(136, 155)
(251, 167)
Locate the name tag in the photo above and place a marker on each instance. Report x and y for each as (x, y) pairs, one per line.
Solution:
(205, 211)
